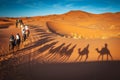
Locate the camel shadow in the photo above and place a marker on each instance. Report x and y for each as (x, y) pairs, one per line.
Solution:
(37, 28)
(43, 49)
(64, 49)
(40, 30)
(40, 42)
(31, 55)
(68, 53)
(47, 46)
(46, 34)
(83, 52)
(65, 52)
(104, 51)
(53, 51)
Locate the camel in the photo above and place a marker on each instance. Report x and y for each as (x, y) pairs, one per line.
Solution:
(104, 51)
(19, 22)
(85, 51)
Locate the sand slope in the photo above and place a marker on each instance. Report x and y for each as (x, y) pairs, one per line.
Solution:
(69, 30)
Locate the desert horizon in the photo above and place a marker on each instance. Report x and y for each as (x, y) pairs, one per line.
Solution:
(57, 14)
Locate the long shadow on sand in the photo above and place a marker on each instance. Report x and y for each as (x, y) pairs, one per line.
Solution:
(46, 34)
(53, 52)
(35, 44)
(38, 43)
(63, 51)
(66, 52)
(47, 46)
(32, 55)
(24, 56)
(104, 51)
(85, 52)
(40, 30)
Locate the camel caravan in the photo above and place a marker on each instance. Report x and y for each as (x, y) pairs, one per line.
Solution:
(15, 41)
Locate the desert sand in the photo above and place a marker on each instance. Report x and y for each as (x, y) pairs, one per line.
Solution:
(54, 43)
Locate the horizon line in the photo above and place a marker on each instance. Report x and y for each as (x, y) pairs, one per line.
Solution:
(56, 14)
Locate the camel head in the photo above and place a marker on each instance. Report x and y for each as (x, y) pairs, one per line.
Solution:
(97, 50)
(87, 46)
(106, 44)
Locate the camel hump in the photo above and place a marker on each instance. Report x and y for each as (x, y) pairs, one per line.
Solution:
(105, 50)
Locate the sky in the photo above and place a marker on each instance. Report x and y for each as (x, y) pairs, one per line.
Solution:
(28, 8)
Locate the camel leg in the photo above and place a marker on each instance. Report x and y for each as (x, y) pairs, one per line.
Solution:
(107, 57)
(102, 57)
(111, 56)
(86, 57)
(77, 58)
(81, 58)
(98, 57)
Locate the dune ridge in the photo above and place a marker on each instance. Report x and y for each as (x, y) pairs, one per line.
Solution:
(71, 31)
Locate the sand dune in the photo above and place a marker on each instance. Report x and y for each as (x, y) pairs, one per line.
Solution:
(69, 30)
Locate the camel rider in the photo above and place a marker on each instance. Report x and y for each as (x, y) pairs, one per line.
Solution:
(17, 21)
(18, 38)
(20, 21)
(27, 30)
(12, 39)
(23, 34)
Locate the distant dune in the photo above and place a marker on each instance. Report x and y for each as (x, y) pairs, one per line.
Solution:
(87, 25)
(72, 31)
